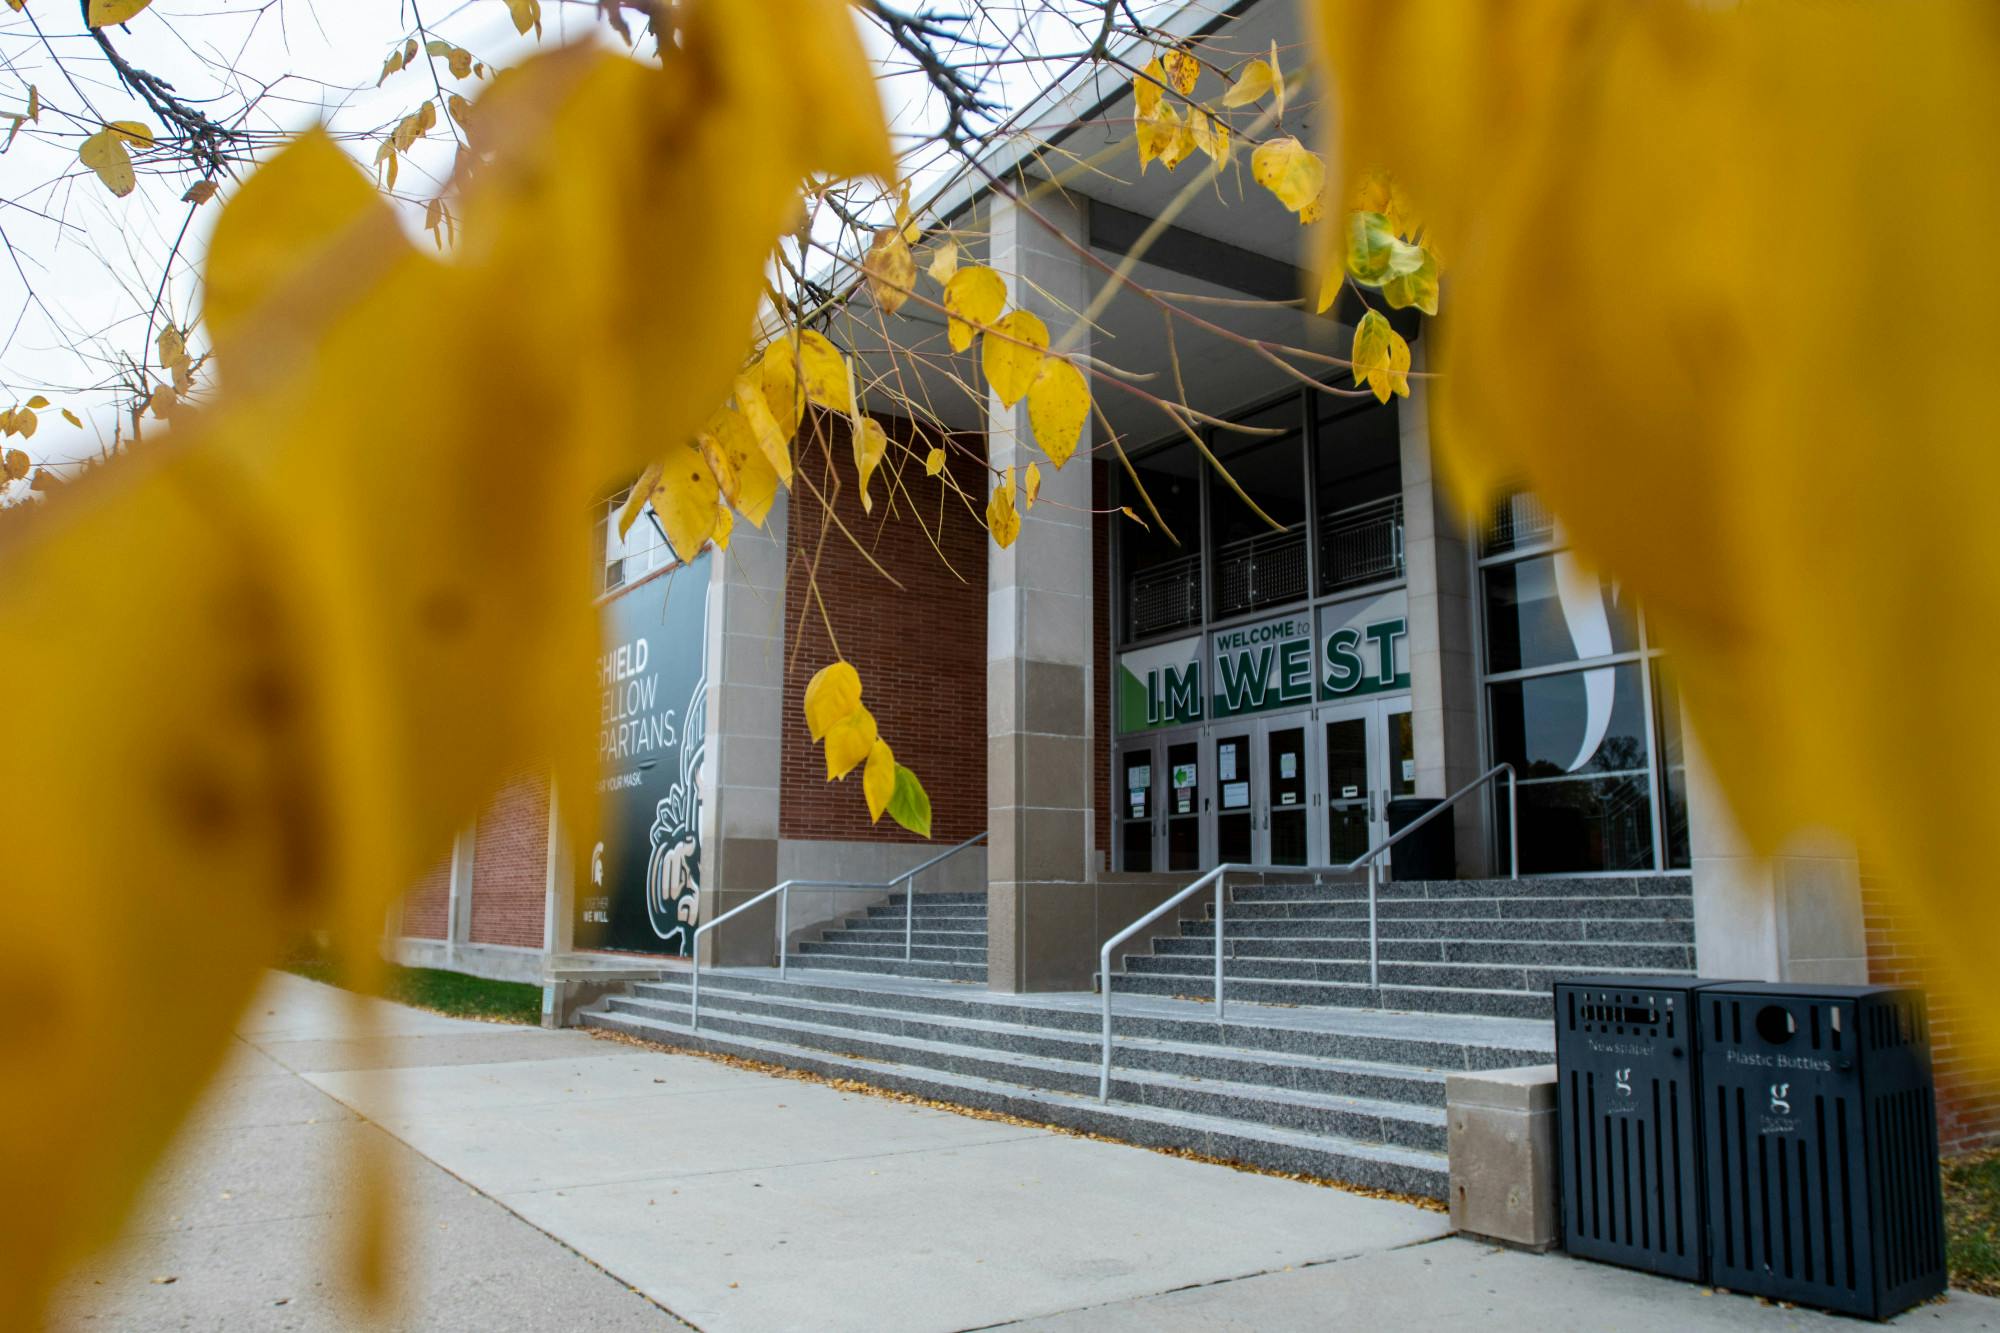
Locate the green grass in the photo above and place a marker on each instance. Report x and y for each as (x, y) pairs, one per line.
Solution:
(1972, 1221)
(442, 992)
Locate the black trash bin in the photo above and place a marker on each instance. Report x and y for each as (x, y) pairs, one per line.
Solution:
(1822, 1149)
(1430, 852)
(1628, 1121)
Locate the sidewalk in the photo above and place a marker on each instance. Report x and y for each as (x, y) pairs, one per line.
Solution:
(547, 1173)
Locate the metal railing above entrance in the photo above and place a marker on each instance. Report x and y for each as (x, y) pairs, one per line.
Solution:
(1369, 860)
(783, 893)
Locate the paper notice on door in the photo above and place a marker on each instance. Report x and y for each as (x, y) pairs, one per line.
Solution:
(1225, 763)
(1139, 777)
(1235, 795)
(1288, 765)
(1409, 770)
(1138, 805)
(1289, 798)
(1349, 793)
(1183, 776)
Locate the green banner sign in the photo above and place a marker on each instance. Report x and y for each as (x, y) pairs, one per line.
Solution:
(1159, 686)
(1364, 647)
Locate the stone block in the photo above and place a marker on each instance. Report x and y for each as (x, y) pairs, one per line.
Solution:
(1501, 1138)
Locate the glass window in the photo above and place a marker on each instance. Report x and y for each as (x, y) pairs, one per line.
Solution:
(1358, 460)
(1578, 742)
(1673, 768)
(1162, 576)
(1547, 610)
(1255, 564)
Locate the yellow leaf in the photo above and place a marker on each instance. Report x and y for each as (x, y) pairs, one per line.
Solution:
(831, 695)
(848, 742)
(1001, 520)
(1031, 486)
(526, 14)
(684, 497)
(72, 418)
(104, 153)
(870, 443)
(1418, 288)
(199, 193)
(1277, 84)
(823, 371)
(1374, 254)
(1289, 170)
(26, 421)
(1148, 87)
(1159, 135)
(777, 372)
(1058, 406)
(104, 13)
(742, 470)
(172, 347)
(973, 296)
(18, 464)
(1254, 82)
(1379, 192)
(891, 270)
(460, 62)
(1182, 70)
(934, 462)
(636, 498)
(725, 524)
(1210, 135)
(772, 440)
(1381, 357)
(38, 402)
(944, 261)
(1127, 511)
(878, 779)
(1012, 354)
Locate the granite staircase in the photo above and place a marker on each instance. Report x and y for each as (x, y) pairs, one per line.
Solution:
(1321, 1073)
(1473, 946)
(948, 940)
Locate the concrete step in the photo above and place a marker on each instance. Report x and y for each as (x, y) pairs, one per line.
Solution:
(1368, 1120)
(1371, 1164)
(838, 946)
(1356, 889)
(1445, 1044)
(1289, 969)
(893, 911)
(1305, 946)
(968, 972)
(1410, 1085)
(1509, 1003)
(923, 934)
(1622, 957)
(1651, 908)
(1617, 930)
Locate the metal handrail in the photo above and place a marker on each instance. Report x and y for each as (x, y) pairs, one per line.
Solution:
(1372, 857)
(908, 879)
(1216, 877)
(783, 893)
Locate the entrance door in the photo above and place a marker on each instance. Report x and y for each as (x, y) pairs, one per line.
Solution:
(1262, 792)
(1370, 759)
(1287, 818)
(1159, 797)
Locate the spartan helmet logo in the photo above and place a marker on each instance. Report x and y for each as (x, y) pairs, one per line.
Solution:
(597, 865)
(1780, 1092)
(1623, 1078)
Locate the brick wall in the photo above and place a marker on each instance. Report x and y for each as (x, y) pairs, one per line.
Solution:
(510, 864)
(427, 906)
(921, 650)
(1967, 1066)
(1100, 649)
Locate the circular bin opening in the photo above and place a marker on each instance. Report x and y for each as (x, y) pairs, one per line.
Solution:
(1775, 1024)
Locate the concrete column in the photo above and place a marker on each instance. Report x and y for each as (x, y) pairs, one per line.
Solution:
(1795, 916)
(1444, 660)
(1038, 650)
(740, 764)
(1500, 1134)
(559, 901)
(458, 902)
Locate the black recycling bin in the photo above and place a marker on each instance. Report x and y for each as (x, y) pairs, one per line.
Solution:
(1429, 853)
(1628, 1121)
(1822, 1149)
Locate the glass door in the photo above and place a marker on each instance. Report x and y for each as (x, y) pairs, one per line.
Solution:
(1350, 782)
(1234, 792)
(1286, 820)
(1181, 815)
(1138, 806)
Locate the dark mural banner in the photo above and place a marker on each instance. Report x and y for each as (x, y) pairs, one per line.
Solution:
(641, 884)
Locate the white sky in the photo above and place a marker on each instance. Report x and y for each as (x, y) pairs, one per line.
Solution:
(81, 267)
